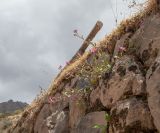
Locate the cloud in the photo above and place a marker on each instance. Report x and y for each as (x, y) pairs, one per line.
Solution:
(36, 37)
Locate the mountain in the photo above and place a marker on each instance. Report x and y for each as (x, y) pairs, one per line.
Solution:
(114, 88)
(10, 112)
(11, 106)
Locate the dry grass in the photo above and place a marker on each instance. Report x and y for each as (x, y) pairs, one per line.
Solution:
(107, 42)
(133, 22)
(9, 119)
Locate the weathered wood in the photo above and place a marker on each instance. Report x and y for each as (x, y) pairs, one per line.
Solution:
(87, 41)
(85, 44)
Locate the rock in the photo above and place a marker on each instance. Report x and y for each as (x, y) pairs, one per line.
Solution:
(124, 82)
(153, 89)
(82, 83)
(121, 43)
(51, 120)
(122, 89)
(40, 125)
(72, 83)
(47, 111)
(94, 96)
(87, 123)
(77, 111)
(130, 116)
(145, 41)
(127, 64)
(138, 86)
(58, 122)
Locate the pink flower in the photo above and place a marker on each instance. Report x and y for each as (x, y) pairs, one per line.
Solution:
(93, 50)
(122, 49)
(60, 67)
(51, 99)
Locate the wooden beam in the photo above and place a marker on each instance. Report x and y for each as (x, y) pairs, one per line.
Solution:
(87, 41)
(85, 44)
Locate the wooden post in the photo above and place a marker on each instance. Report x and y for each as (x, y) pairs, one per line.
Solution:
(86, 42)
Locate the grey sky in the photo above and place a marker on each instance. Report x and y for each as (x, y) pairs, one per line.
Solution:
(36, 36)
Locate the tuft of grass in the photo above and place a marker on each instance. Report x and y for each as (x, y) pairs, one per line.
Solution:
(7, 120)
(96, 68)
(104, 127)
(5, 115)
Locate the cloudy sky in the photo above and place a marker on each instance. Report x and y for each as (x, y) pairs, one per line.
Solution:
(36, 36)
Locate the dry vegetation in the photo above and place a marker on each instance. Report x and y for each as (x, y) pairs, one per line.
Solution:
(9, 119)
(129, 25)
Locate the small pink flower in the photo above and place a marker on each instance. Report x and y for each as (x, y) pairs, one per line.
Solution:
(60, 67)
(122, 49)
(51, 99)
(93, 50)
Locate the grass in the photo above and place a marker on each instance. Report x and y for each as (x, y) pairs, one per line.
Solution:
(104, 128)
(5, 115)
(9, 119)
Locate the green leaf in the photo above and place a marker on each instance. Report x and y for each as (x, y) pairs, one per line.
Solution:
(97, 126)
(107, 117)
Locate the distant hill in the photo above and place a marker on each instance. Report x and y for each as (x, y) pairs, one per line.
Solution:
(11, 106)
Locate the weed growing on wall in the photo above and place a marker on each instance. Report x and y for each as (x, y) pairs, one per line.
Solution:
(103, 127)
(98, 64)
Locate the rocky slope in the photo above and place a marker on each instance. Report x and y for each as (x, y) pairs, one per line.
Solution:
(114, 89)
